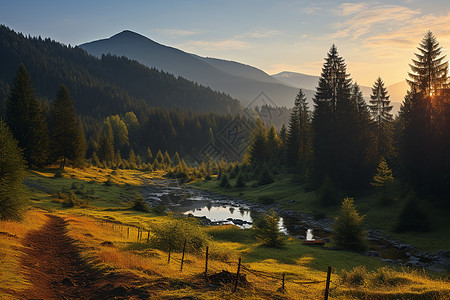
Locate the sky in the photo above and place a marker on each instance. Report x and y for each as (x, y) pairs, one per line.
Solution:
(376, 38)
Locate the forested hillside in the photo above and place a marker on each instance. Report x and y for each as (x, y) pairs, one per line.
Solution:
(101, 87)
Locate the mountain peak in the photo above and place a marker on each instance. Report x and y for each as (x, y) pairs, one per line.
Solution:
(128, 34)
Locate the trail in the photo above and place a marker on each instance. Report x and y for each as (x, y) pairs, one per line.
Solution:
(53, 265)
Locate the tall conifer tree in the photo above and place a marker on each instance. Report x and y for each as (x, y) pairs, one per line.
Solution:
(68, 141)
(336, 135)
(381, 112)
(12, 172)
(26, 120)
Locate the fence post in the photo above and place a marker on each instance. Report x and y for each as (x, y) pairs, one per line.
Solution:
(237, 276)
(327, 287)
(282, 283)
(182, 257)
(128, 232)
(206, 261)
(148, 236)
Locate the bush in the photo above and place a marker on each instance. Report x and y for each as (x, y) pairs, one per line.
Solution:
(267, 231)
(387, 277)
(139, 204)
(71, 200)
(240, 182)
(266, 178)
(348, 232)
(172, 233)
(224, 183)
(159, 209)
(355, 277)
(412, 217)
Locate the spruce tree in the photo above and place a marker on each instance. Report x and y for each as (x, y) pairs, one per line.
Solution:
(12, 172)
(380, 108)
(348, 231)
(383, 175)
(422, 148)
(106, 144)
(26, 120)
(429, 71)
(257, 151)
(68, 141)
(336, 136)
(298, 142)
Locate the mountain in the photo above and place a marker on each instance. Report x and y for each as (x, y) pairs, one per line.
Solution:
(101, 86)
(241, 81)
(298, 79)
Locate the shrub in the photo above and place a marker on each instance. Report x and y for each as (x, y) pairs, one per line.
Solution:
(355, 277)
(71, 200)
(267, 231)
(159, 209)
(172, 233)
(348, 232)
(266, 178)
(387, 277)
(224, 183)
(240, 182)
(412, 217)
(139, 204)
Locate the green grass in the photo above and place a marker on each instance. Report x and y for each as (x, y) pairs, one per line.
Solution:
(285, 189)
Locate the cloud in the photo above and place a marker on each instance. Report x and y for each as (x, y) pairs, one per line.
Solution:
(346, 9)
(259, 34)
(380, 26)
(217, 45)
(178, 32)
(364, 18)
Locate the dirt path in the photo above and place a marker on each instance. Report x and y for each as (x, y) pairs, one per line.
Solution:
(53, 264)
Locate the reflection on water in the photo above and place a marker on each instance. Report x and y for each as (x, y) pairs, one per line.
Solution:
(220, 213)
(217, 208)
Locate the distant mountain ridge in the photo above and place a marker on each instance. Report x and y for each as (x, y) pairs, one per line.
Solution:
(104, 86)
(240, 81)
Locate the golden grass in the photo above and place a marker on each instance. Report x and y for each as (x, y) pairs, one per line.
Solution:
(11, 276)
(119, 176)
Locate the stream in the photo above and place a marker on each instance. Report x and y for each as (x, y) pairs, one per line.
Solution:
(216, 209)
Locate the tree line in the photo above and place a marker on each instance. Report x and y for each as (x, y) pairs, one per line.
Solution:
(339, 143)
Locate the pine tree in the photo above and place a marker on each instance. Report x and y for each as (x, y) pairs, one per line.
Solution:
(283, 134)
(106, 144)
(12, 172)
(422, 146)
(336, 136)
(380, 108)
(26, 120)
(258, 152)
(348, 231)
(68, 141)
(298, 142)
(149, 156)
(383, 175)
(429, 71)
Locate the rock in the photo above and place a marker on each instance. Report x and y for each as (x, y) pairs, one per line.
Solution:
(372, 253)
(387, 260)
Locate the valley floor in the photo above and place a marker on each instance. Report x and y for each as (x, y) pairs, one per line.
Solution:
(100, 250)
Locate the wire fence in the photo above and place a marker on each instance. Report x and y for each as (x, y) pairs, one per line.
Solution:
(139, 234)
